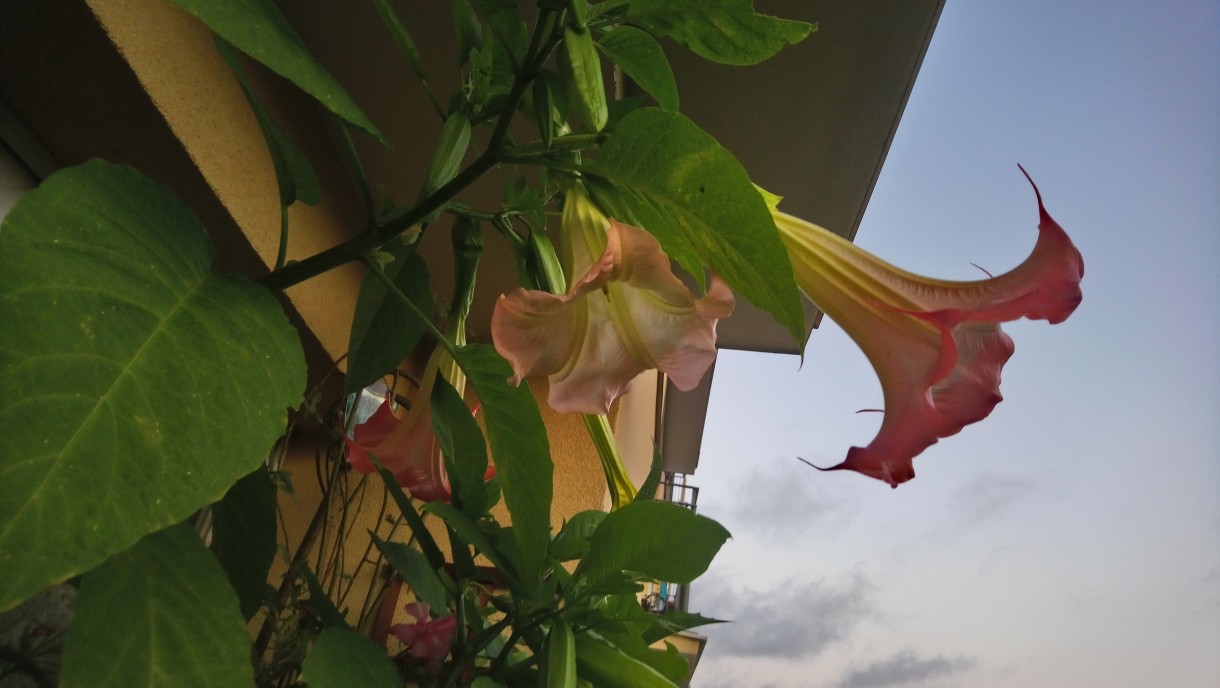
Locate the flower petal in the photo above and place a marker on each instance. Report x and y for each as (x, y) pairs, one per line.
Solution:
(936, 345)
(628, 313)
(406, 447)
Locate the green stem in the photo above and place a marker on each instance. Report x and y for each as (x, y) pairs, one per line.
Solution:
(348, 149)
(282, 254)
(543, 161)
(393, 289)
(622, 490)
(567, 142)
(357, 247)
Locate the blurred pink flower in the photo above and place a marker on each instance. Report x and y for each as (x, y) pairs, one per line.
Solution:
(407, 447)
(427, 640)
(936, 345)
(624, 312)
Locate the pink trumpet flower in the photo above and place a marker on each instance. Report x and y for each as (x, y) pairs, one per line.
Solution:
(936, 345)
(427, 640)
(624, 312)
(408, 447)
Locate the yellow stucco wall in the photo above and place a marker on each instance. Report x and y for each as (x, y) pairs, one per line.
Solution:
(173, 56)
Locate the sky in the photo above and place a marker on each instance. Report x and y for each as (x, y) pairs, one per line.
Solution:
(1072, 538)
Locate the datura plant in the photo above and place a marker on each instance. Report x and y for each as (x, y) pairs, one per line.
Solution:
(155, 407)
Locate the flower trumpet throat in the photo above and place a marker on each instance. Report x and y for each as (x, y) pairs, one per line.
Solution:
(408, 447)
(936, 345)
(624, 312)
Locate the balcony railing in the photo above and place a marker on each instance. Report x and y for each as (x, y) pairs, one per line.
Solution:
(661, 597)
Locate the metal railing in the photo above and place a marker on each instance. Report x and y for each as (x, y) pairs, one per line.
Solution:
(661, 597)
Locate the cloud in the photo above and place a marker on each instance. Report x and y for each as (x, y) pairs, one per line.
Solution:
(776, 499)
(795, 620)
(906, 669)
(989, 496)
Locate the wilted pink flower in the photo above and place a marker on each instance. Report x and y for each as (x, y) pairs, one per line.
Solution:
(936, 345)
(624, 312)
(408, 447)
(427, 640)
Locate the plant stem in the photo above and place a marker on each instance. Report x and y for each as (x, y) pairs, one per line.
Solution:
(282, 253)
(307, 541)
(359, 246)
(394, 291)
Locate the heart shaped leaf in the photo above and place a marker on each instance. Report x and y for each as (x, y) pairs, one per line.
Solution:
(160, 615)
(141, 384)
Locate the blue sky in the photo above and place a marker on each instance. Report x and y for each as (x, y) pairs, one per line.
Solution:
(1072, 538)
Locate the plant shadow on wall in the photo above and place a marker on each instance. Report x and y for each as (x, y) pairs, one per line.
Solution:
(149, 388)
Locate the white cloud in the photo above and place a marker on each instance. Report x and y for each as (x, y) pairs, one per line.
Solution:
(793, 621)
(906, 669)
(774, 500)
(988, 496)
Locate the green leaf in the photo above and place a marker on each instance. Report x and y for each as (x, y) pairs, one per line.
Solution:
(405, 43)
(573, 539)
(447, 160)
(520, 450)
(674, 621)
(680, 184)
(582, 70)
(648, 490)
(143, 384)
(158, 614)
(293, 172)
(469, 31)
(623, 613)
(542, 108)
(258, 29)
(464, 449)
(468, 531)
(427, 545)
(642, 59)
(243, 537)
(561, 651)
(659, 540)
(668, 662)
(383, 330)
(413, 566)
(604, 664)
(320, 605)
(341, 658)
(724, 31)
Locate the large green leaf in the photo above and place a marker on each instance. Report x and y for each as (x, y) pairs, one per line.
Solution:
(573, 539)
(605, 665)
(464, 448)
(159, 615)
(259, 29)
(136, 385)
(661, 171)
(521, 452)
(383, 330)
(420, 577)
(660, 540)
(243, 537)
(725, 31)
(642, 58)
(341, 659)
(468, 533)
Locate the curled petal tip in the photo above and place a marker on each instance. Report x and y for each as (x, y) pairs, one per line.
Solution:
(936, 345)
